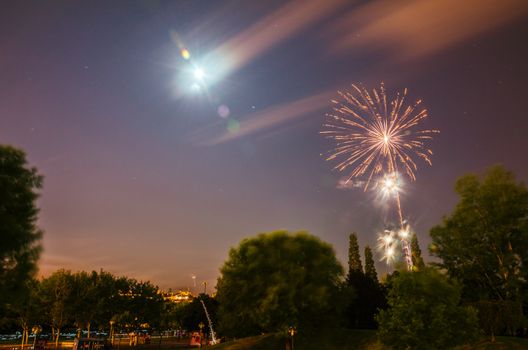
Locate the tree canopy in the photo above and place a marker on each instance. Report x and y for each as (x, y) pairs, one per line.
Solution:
(19, 234)
(275, 280)
(424, 313)
(484, 242)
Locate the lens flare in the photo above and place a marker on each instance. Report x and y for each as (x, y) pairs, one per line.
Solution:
(185, 54)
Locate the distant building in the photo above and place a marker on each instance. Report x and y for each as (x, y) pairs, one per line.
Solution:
(181, 296)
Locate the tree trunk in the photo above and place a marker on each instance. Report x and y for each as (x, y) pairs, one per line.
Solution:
(57, 339)
(88, 328)
(23, 338)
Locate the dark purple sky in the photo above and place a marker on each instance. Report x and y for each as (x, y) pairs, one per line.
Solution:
(144, 178)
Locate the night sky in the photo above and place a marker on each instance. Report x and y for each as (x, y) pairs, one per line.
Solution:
(149, 176)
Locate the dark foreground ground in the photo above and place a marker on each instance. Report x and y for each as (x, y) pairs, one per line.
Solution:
(119, 344)
(337, 339)
(341, 339)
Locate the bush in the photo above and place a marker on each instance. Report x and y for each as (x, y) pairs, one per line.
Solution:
(424, 313)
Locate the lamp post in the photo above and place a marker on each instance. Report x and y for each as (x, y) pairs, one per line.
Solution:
(112, 322)
(36, 330)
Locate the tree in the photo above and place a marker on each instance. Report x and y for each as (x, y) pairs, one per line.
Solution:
(84, 294)
(19, 234)
(276, 280)
(27, 308)
(144, 304)
(417, 259)
(93, 293)
(424, 313)
(354, 259)
(58, 296)
(484, 242)
(370, 268)
(368, 295)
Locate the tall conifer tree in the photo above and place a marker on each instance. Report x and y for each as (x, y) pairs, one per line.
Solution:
(354, 259)
(370, 269)
(416, 253)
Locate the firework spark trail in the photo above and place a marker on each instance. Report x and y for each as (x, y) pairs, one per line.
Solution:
(373, 136)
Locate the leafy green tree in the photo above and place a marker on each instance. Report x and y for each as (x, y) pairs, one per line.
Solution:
(108, 298)
(94, 293)
(424, 313)
(416, 252)
(144, 304)
(57, 294)
(499, 316)
(276, 280)
(484, 242)
(27, 308)
(83, 308)
(19, 234)
(370, 268)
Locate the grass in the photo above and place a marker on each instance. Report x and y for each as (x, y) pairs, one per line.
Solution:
(502, 343)
(337, 339)
(344, 339)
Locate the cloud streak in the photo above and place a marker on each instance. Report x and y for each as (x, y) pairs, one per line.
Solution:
(266, 120)
(282, 24)
(411, 29)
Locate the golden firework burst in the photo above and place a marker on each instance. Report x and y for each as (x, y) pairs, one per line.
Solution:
(373, 135)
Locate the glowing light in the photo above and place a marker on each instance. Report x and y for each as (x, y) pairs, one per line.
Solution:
(389, 185)
(374, 135)
(199, 73)
(404, 234)
(185, 54)
(386, 245)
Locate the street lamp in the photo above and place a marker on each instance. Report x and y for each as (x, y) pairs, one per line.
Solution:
(112, 322)
(36, 330)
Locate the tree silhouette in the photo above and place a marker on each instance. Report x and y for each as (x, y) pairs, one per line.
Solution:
(370, 269)
(19, 234)
(417, 259)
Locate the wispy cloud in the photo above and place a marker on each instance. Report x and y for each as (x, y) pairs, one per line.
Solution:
(282, 24)
(266, 120)
(411, 29)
